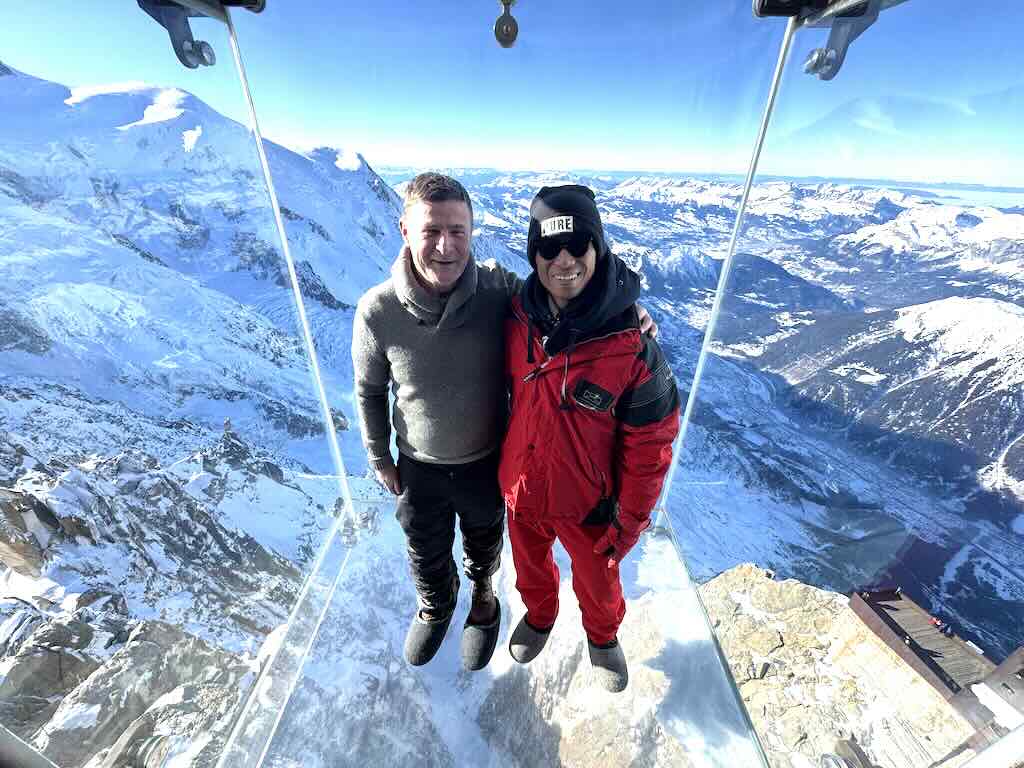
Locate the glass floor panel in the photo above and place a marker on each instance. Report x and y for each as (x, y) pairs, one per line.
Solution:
(356, 701)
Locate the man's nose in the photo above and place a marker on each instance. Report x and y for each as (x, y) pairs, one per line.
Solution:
(565, 259)
(443, 242)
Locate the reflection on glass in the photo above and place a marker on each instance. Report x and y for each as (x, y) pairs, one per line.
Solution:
(856, 428)
(166, 482)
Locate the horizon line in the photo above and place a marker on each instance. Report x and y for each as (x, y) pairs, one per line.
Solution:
(960, 185)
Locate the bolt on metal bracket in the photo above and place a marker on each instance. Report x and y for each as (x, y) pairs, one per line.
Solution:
(174, 18)
(848, 19)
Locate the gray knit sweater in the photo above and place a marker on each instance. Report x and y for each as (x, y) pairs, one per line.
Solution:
(443, 360)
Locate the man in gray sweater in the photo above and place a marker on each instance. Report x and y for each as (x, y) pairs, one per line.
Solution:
(433, 334)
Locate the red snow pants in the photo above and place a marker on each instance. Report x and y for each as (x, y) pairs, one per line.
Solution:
(597, 586)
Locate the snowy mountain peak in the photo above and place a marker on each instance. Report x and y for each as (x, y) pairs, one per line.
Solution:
(343, 158)
(978, 238)
(82, 93)
(5, 70)
(966, 325)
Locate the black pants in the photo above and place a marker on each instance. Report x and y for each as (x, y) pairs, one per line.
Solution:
(432, 496)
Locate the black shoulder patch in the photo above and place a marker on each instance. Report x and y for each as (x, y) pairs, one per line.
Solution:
(657, 397)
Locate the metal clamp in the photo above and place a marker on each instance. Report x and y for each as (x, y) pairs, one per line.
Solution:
(826, 62)
(173, 15)
(787, 8)
(848, 20)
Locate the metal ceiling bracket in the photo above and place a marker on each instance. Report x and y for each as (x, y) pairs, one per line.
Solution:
(173, 15)
(848, 19)
(826, 62)
(174, 18)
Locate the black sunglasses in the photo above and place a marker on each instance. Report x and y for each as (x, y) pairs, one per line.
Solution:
(576, 244)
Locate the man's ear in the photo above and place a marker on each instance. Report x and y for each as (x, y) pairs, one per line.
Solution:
(404, 230)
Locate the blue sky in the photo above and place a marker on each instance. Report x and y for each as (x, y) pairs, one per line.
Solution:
(645, 85)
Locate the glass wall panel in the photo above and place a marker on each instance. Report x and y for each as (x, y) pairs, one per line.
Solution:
(165, 482)
(653, 107)
(850, 471)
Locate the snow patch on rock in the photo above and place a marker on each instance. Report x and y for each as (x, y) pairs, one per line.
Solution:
(189, 138)
(165, 107)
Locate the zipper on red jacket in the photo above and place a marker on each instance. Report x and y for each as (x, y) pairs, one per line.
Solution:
(565, 405)
(536, 371)
(517, 313)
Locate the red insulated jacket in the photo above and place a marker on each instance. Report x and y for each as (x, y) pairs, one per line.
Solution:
(595, 421)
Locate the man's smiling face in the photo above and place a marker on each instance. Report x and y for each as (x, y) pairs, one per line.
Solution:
(438, 235)
(565, 276)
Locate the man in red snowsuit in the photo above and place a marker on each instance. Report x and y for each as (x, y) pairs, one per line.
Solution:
(594, 411)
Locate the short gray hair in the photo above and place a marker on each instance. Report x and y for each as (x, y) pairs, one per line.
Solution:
(435, 188)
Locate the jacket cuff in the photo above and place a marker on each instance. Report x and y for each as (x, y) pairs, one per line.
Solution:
(633, 526)
(378, 464)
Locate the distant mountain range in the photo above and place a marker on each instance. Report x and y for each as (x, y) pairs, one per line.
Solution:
(166, 482)
(860, 421)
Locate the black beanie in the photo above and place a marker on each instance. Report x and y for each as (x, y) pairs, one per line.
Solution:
(570, 208)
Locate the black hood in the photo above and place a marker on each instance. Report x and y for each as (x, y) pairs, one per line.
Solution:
(612, 290)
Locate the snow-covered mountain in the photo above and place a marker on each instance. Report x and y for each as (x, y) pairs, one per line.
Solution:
(835, 442)
(141, 269)
(858, 422)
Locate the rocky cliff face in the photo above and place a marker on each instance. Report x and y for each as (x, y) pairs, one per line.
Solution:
(132, 602)
(811, 673)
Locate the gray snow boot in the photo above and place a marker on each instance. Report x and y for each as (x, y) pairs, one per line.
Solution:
(427, 631)
(527, 641)
(609, 665)
(479, 638)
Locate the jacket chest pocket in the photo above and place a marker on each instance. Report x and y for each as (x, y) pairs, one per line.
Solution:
(591, 396)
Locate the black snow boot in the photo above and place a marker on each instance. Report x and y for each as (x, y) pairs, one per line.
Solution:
(480, 635)
(527, 641)
(609, 665)
(427, 631)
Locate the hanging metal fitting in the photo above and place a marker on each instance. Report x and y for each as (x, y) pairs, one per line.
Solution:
(173, 15)
(848, 19)
(506, 28)
(826, 62)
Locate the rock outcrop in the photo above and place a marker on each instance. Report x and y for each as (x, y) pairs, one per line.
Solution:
(129, 598)
(161, 681)
(811, 673)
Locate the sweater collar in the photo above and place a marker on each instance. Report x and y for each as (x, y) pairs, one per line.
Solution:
(425, 306)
